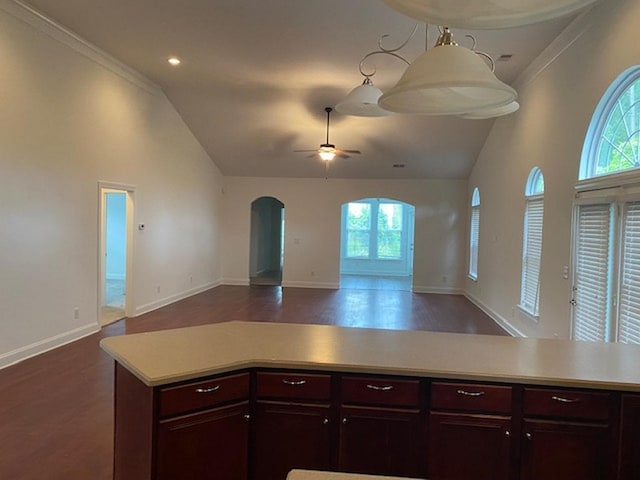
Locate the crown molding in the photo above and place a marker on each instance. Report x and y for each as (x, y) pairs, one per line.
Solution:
(578, 27)
(44, 24)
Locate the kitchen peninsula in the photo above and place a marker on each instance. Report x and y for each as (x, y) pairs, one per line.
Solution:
(242, 396)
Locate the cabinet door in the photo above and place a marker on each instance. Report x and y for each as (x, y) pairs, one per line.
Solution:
(382, 441)
(630, 438)
(208, 445)
(462, 447)
(288, 436)
(567, 451)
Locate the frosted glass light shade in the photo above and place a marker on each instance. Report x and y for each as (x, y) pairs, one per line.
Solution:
(492, 112)
(447, 80)
(362, 101)
(487, 14)
(327, 152)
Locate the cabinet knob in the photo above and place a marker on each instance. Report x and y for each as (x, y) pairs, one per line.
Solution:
(325, 421)
(344, 421)
(507, 433)
(528, 436)
(247, 416)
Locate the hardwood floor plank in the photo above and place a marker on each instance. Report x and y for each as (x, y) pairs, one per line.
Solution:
(56, 409)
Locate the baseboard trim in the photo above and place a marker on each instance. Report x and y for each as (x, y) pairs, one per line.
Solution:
(495, 316)
(23, 353)
(437, 290)
(238, 282)
(326, 285)
(149, 307)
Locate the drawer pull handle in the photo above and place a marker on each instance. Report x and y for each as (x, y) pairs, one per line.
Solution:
(295, 383)
(469, 394)
(565, 400)
(377, 388)
(208, 390)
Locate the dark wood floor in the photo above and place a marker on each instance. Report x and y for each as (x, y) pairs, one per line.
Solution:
(56, 417)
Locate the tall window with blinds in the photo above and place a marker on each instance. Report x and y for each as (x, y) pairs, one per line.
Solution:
(474, 234)
(592, 278)
(532, 243)
(629, 304)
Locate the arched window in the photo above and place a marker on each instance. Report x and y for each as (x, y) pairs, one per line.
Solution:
(474, 234)
(613, 141)
(607, 219)
(532, 243)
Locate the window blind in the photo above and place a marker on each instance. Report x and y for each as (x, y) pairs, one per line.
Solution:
(629, 305)
(593, 273)
(531, 255)
(474, 238)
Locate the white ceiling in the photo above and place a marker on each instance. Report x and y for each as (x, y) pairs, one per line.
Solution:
(256, 75)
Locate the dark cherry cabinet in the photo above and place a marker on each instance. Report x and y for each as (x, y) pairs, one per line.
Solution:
(290, 436)
(212, 444)
(470, 432)
(568, 434)
(382, 427)
(258, 424)
(292, 424)
(382, 441)
(469, 446)
(630, 438)
(570, 451)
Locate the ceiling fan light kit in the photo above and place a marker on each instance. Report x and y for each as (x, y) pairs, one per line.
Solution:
(488, 14)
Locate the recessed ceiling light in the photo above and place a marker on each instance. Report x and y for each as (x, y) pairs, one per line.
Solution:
(174, 61)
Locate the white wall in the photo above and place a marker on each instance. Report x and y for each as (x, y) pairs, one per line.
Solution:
(312, 227)
(68, 119)
(549, 132)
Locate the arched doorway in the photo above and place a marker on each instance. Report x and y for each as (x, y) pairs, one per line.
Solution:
(266, 254)
(377, 244)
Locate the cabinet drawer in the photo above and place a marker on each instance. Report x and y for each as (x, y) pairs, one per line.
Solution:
(302, 386)
(567, 403)
(201, 394)
(380, 391)
(471, 397)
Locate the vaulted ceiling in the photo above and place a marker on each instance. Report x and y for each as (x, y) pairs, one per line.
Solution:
(256, 75)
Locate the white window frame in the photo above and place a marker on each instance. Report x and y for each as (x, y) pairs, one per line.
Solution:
(606, 295)
(532, 244)
(474, 235)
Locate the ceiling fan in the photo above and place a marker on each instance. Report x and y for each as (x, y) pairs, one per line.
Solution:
(328, 151)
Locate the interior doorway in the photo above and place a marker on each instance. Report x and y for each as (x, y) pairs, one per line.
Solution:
(376, 248)
(116, 214)
(266, 257)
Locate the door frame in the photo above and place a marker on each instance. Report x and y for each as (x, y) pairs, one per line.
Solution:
(129, 190)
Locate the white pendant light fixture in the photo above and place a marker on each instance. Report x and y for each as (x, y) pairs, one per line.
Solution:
(362, 101)
(448, 80)
(492, 112)
(487, 14)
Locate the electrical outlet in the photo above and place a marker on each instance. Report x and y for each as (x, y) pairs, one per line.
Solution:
(76, 313)
(158, 289)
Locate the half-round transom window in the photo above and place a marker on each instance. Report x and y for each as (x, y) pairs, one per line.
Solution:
(613, 140)
(535, 183)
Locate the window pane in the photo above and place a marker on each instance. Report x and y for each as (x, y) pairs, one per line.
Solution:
(594, 252)
(358, 243)
(389, 230)
(359, 216)
(618, 147)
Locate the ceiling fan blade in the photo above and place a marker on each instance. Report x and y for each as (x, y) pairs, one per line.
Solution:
(343, 155)
(351, 151)
(305, 151)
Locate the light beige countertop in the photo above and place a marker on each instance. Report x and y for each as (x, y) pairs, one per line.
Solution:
(168, 356)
